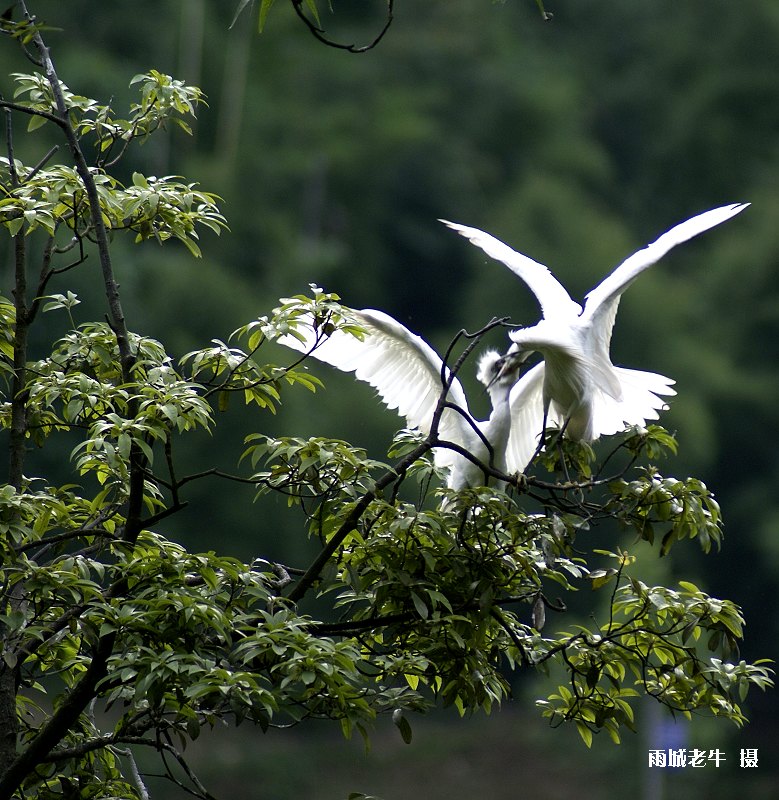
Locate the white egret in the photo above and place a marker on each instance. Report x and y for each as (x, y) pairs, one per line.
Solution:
(583, 392)
(407, 373)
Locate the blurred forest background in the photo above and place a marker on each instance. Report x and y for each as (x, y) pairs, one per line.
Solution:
(577, 141)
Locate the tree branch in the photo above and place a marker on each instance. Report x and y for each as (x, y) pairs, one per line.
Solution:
(312, 573)
(66, 715)
(447, 377)
(9, 724)
(116, 314)
(118, 324)
(319, 34)
(33, 112)
(60, 722)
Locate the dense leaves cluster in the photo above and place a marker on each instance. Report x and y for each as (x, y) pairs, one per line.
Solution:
(55, 198)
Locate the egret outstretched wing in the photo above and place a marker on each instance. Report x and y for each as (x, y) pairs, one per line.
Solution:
(599, 300)
(401, 366)
(527, 419)
(551, 294)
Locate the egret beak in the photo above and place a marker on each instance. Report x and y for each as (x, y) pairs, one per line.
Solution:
(510, 363)
(519, 355)
(507, 365)
(518, 352)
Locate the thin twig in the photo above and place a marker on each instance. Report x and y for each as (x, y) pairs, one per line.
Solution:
(319, 34)
(41, 164)
(33, 112)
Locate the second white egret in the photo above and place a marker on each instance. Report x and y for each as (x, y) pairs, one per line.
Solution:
(407, 373)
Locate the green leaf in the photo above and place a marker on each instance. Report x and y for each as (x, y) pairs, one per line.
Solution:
(314, 12)
(401, 723)
(36, 121)
(15, 225)
(265, 7)
(140, 180)
(420, 606)
(584, 732)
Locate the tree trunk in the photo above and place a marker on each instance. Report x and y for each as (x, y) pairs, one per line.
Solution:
(8, 726)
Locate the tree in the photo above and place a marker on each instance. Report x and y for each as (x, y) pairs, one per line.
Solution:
(409, 603)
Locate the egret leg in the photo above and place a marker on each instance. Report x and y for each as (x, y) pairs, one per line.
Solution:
(559, 443)
(542, 437)
(558, 439)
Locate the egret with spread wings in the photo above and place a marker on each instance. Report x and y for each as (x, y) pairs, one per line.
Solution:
(583, 392)
(409, 377)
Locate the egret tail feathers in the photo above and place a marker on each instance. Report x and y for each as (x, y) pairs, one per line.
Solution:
(642, 400)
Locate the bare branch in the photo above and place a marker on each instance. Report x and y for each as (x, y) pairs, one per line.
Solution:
(33, 112)
(65, 536)
(42, 163)
(319, 33)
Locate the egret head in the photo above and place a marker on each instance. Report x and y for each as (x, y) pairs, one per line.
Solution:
(497, 369)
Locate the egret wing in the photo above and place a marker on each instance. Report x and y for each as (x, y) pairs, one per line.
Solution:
(601, 301)
(401, 366)
(527, 418)
(550, 293)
